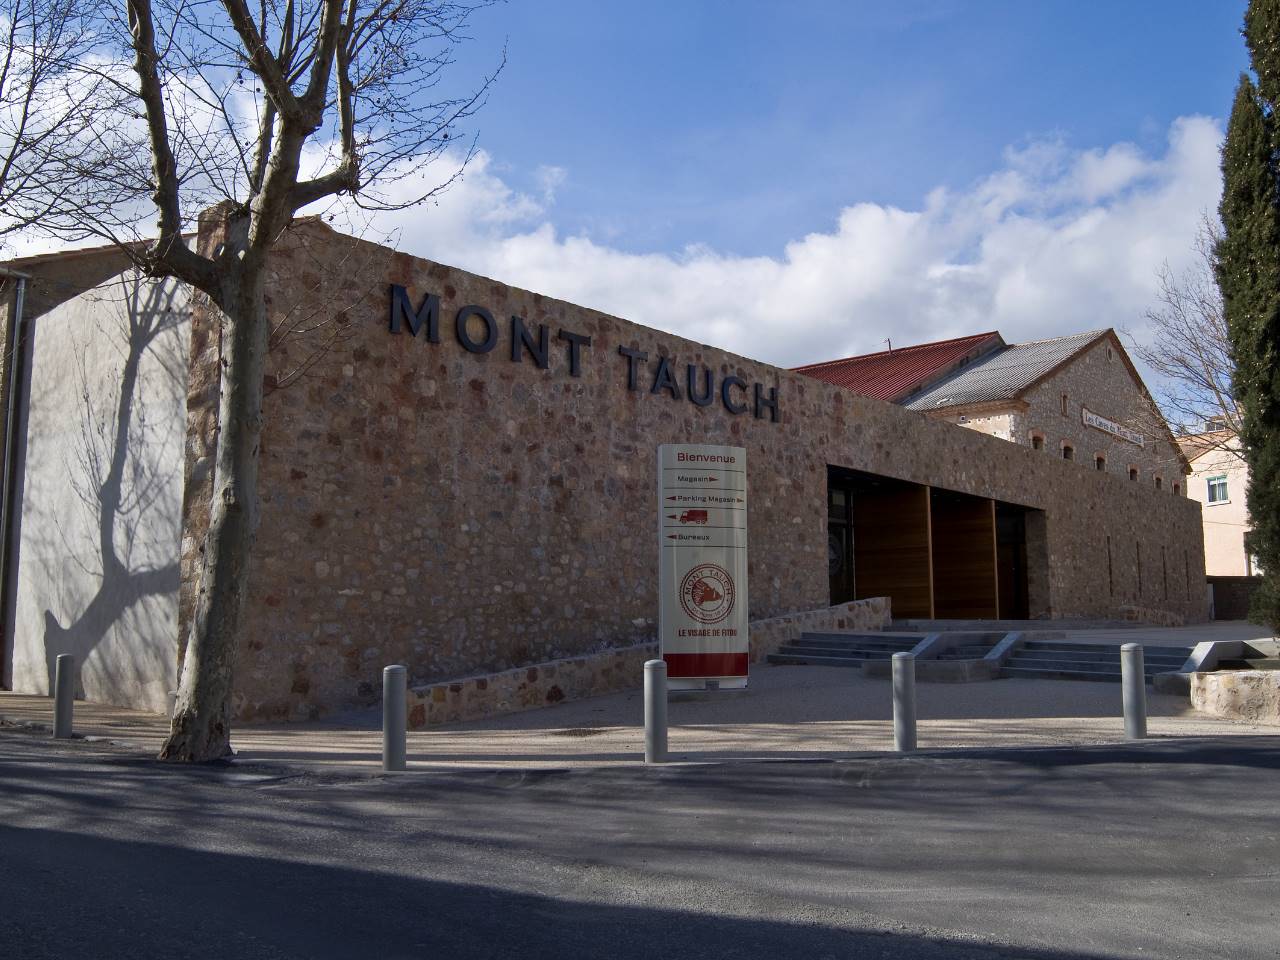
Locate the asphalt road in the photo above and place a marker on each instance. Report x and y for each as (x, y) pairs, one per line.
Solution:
(1165, 849)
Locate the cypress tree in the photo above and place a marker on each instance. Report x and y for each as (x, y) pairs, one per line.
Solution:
(1248, 274)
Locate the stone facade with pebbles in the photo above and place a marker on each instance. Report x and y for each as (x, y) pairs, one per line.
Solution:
(479, 496)
(608, 671)
(1249, 695)
(1101, 380)
(472, 501)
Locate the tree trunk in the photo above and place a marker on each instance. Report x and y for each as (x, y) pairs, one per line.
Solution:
(201, 728)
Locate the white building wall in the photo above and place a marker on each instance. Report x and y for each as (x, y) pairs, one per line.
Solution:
(101, 468)
(1225, 522)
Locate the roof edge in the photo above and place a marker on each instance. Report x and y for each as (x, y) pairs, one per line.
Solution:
(978, 337)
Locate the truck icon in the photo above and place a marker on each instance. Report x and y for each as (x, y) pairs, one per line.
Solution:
(694, 516)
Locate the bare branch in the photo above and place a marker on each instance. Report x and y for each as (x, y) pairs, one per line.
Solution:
(1190, 352)
(169, 249)
(263, 62)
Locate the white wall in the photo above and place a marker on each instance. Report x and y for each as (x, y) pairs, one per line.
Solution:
(102, 478)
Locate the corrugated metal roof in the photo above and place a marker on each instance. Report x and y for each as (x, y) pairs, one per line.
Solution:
(1003, 374)
(893, 374)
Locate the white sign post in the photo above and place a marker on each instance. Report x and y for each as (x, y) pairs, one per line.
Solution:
(702, 566)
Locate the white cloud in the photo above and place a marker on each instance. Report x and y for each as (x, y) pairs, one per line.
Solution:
(550, 179)
(1055, 242)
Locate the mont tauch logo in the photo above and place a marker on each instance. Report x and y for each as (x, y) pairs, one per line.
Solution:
(478, 331)
(707, 593)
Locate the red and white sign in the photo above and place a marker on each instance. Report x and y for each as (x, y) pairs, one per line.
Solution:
(702, 567)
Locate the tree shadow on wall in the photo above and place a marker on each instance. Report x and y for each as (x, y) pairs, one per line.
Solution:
(118, 477)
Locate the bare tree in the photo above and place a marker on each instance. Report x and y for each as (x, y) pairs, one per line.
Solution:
(47, 103)
(1190, 352)
(243, 117)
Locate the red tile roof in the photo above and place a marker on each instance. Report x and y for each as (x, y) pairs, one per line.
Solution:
(893, 374)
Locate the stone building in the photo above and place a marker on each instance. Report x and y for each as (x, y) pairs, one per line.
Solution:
(1076, 397)
(460, 475)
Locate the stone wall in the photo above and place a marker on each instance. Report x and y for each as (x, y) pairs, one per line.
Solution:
(993, 424)
(1152, 615)
(466, 513)
(1143, 570)
(1252, 695)
(609, 671)
(1100, 380)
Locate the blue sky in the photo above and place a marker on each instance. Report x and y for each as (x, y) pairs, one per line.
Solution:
(742, 125)
(797, 182)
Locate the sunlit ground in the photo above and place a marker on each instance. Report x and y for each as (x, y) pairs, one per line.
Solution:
(788, 712)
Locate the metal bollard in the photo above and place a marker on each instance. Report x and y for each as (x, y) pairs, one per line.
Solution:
(395, 716)
(1134, 681)
(64, 695)
(655, 711)
(904, 702)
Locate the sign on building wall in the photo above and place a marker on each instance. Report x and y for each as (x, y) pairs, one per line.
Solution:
(702, 566)
(1099, 422)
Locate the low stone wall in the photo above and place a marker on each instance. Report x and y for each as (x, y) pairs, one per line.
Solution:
(768, 635)
(1159, 618)
(1252, 695)
(608, 671)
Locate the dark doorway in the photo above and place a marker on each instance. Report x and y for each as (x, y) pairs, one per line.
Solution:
(878, 528)
(933, 552)
(840, 544)
(1011, 561)
(965, 584)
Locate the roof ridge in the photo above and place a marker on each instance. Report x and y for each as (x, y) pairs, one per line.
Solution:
(897, 350)
(1094, 334)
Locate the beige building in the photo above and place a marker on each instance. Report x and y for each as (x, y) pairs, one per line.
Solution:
(464, 482)
(1218, 479)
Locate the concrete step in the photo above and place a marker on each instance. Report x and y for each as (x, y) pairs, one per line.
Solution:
(1082, 652)
(1036, 673)
(966, 653)
(854, 645)
(1070, 645)
(910, 639)
(817, 650)
(1090, 656)
(851, 644)
(1064, 662)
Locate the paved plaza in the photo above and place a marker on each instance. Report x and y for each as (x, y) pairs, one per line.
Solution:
(787, 713)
